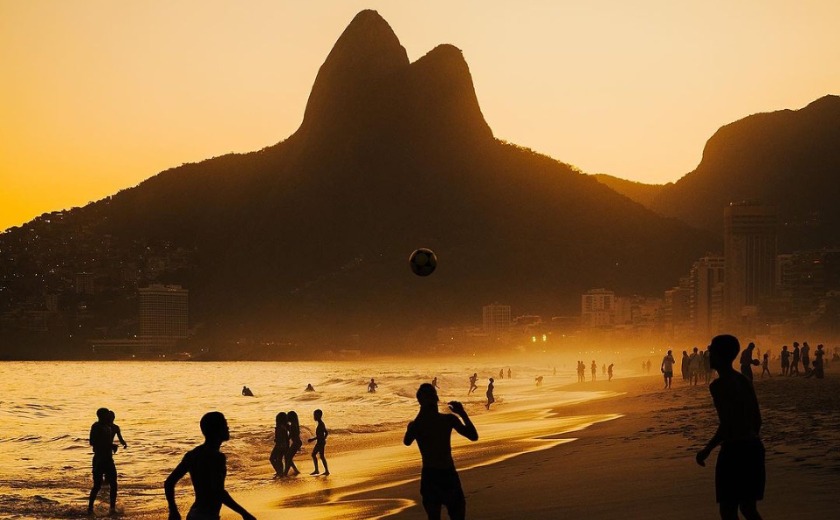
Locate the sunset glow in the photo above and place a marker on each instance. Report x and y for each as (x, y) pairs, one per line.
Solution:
(98, 95)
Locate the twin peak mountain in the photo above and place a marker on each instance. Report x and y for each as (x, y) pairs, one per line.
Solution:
(310, 238)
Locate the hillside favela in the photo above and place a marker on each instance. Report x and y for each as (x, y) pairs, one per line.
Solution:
(412, 291)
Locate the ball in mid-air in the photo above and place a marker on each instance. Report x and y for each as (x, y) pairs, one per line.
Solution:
(423, 262)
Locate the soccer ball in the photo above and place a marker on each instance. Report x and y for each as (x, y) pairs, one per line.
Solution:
(423, 262)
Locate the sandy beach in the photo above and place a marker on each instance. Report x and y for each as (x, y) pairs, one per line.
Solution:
(639, 465)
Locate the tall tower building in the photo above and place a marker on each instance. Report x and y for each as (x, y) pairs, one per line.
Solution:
(750, 232)
(164, 311)
(706, 274)
(597, 308)
(496, 318)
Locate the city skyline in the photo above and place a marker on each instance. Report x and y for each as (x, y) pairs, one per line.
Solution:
(107, 95)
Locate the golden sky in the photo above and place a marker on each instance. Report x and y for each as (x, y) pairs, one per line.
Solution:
(97, 96)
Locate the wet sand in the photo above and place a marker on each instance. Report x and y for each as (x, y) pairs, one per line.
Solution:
(642, 464)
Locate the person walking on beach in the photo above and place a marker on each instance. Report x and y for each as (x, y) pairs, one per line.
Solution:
(694, 362)
(439, 482)
(294, 443)
(794, 364)
(805, 354)
(785, 361)
(281, 444)
(765, 365)
(320, 440)
(685, 363)
(509, 376)
(610, 372)
(501, 373)
(594, 370)
(490, 398)
(372, 386)
(473, 380)
(667, 368)
(207, 467)
(740, 472)
(747, 362)
(101, 440)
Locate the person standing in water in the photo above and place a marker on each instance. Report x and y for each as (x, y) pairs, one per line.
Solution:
(372, 386)
(320, 439)
(490, 398)
(207, 467)
(296, 443)
(101, 440)
(281, 444)
(439, 482)
(740, 473)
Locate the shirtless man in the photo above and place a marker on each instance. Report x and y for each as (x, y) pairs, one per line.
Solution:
(473, 386)
(207, 467)
(439, 482)
(101, 438)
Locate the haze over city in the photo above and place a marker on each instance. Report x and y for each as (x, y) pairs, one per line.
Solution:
(99, 95)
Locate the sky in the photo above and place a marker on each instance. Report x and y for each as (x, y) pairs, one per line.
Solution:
(97, 96)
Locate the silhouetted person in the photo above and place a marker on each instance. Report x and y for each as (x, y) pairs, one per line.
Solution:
(594, 370)
(785, 361)
(747, 361)
(294, 443)
(502, 373)
(805, 354)
(309, 388)
(372, 386)
(247, 392)
(794, 363)
(819, 364)
(489, 394)
(509, 376)
(555, 369)
(473, 380)
(439, 482)
(694, 363)
(765, 365)
(610, 372)
(835, 356)
(101, 440)
(685, 363)
(539, 380)
(207, 467)
(320, 439)
(434, 382)
(281, 444)
(739, 473)
(667, 368)
(648, 366)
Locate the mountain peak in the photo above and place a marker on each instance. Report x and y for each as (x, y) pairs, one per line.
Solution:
(365, 53)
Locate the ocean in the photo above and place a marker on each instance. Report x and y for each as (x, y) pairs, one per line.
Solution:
(47, 408)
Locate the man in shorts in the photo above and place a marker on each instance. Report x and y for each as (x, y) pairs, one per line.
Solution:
(103, 458)
(439, 482)
(667, 368)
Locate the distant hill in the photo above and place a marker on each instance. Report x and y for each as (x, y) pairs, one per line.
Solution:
(640, 192)
(790, 158)
(310, 237)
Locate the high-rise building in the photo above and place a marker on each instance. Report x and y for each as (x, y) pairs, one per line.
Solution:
(597, 308)
(496, 318)
(705, 275)
(750, 232)
(164, 311)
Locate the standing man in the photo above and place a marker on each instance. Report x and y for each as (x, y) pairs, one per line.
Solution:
(439, 482)
(747, 361)
(207, 467)
(103, 458)
(667, 368)
(806, 357)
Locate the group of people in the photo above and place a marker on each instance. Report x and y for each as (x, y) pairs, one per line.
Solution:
(490, 387)
(287, 443)
(695, 366)
(790, 361)
(101, 439)
(606, 371)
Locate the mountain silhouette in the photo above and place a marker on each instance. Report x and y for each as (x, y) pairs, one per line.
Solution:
(640, 192)
(310, 238)
(790, 158)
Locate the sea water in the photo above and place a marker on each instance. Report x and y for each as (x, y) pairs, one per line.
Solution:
(47, 408)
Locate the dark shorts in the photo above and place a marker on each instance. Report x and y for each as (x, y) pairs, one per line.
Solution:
(739, 473)
(441, 486)
(104, 466)
(668, 373)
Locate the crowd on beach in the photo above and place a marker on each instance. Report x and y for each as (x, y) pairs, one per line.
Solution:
(606, 371)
